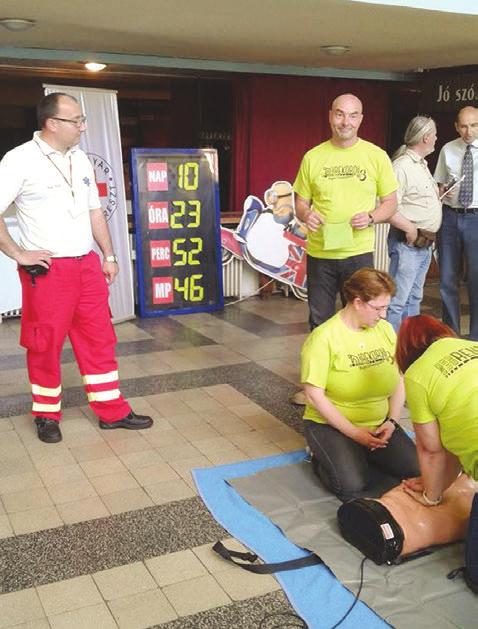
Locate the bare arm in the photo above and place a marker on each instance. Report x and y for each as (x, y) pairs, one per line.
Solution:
(306, 214)
(334, 418)
(101, 234)
(400, 222)
(439, 467)
(381, 214)
(10, 248)
(395, 406)
(396, 401)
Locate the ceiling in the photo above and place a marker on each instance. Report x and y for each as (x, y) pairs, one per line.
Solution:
(267, 35)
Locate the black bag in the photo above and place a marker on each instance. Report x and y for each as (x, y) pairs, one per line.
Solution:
(371, 528)
(34, 270)
(471, 549)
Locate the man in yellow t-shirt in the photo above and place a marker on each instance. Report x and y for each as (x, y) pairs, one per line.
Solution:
(336, 191)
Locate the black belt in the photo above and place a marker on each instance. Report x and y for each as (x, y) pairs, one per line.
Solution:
(70, 257)
(463, 210)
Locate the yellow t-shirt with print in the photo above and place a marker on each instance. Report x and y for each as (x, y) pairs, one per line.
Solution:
(356, 369)
(341, 182)
(442, 385)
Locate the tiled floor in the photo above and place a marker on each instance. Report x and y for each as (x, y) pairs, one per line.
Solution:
(106, 529)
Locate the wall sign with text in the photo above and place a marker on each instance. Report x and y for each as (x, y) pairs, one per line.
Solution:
(178, 244)
(450, 93)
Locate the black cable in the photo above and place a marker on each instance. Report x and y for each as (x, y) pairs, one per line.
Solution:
(356, 596)
(303, 624)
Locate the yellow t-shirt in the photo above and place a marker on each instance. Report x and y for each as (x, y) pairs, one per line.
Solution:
(342, 182)
(356, 369)
(442, 385)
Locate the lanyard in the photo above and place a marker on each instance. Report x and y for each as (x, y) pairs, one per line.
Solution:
(68, 183)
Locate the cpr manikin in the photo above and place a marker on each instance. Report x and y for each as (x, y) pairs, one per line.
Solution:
(396, 525)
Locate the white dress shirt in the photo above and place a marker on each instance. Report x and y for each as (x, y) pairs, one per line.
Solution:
(449, 167)
(53, 193)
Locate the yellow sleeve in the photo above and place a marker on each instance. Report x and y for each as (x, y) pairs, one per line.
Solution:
(387, 182)
(315, 360)
(417, 401)
(302, 184)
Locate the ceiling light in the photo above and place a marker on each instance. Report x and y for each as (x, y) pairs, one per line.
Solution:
(92, 66)
(16, 23)
(335, 50)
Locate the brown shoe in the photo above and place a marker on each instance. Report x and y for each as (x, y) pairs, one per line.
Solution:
(48, 430)
(130, 422)
(298, 399)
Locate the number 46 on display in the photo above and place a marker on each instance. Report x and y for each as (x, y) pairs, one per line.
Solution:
(190, 288)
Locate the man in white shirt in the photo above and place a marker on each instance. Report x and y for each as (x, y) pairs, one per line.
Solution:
(458, 236)
(64, 284)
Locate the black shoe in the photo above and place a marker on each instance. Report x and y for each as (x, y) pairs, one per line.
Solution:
(130, 422)
(48, 430)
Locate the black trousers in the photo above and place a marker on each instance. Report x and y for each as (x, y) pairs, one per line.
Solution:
(350, 470)
(325, 279)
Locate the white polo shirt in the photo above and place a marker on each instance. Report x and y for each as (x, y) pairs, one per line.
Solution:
(53, 193)
(449, 166)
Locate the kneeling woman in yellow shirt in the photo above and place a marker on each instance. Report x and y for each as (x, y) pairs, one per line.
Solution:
(355, 394)
(441, 382)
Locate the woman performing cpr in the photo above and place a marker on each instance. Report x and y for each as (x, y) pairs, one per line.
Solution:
(441, 381)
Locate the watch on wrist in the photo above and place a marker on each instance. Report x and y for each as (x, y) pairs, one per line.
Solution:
(371, 220)
(392, 421)
(112, 258)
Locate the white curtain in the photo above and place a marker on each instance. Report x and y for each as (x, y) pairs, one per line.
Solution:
(102, 143)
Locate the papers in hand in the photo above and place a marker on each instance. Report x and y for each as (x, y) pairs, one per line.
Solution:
(451, 187)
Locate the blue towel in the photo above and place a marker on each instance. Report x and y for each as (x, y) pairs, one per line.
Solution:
(314, 592)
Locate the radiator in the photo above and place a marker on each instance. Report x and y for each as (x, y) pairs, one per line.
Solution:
(9, 314)
(239, 278)
(380, 255)
(232, 276)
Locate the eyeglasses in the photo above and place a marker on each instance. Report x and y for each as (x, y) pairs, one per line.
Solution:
(377, 308)
(75, 121)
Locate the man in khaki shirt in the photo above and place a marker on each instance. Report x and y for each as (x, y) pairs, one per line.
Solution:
(414, 226)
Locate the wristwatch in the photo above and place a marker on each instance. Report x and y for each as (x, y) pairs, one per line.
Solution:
(113, 258)
(392, 421)
(371, 220)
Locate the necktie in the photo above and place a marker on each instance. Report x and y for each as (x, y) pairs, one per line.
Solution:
(465, 196)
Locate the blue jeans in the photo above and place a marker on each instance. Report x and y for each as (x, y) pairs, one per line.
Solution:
(458, 237)
(350, 470)
(408, 267)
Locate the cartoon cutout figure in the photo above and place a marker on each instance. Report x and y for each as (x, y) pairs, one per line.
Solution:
(262, 228)
(280, 198)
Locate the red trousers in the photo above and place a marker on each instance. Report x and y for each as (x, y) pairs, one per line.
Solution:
(71, 299)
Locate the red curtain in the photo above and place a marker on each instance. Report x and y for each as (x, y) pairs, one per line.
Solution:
(277, 119)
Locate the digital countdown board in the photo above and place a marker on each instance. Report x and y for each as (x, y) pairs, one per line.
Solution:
(178, 242)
